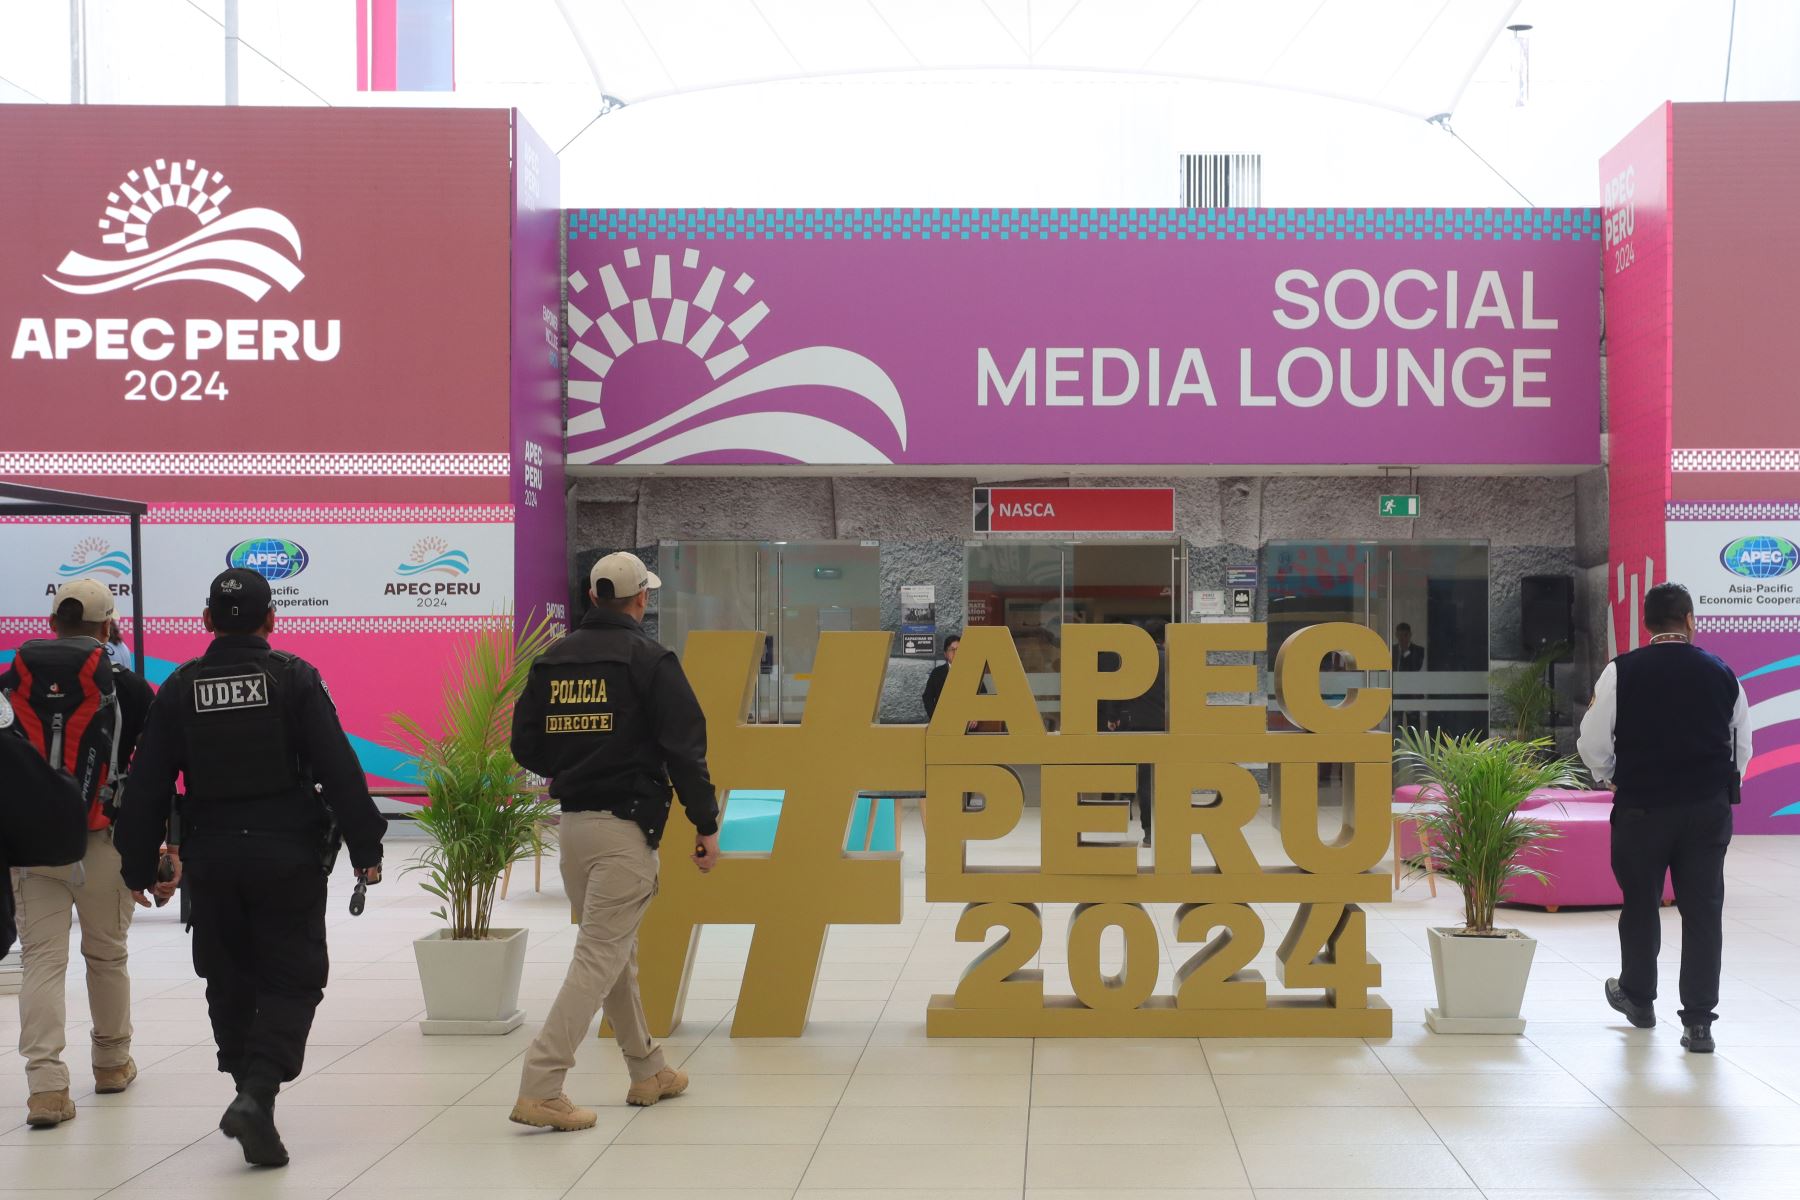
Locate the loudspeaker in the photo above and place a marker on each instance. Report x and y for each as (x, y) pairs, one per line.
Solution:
(1547, 615)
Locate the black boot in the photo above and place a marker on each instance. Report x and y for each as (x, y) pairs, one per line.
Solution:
(1697, 1039)
(1641, 1015)
(251, 1121)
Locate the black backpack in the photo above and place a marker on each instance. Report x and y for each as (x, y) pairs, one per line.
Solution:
(59, 750)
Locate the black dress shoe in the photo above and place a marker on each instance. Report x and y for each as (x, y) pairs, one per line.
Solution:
(1697, 1039)
(1641, 1015)
(252, 1123)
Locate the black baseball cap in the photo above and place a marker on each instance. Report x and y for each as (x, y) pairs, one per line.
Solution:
(239, 600)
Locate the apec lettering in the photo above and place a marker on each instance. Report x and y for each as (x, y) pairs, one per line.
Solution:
(410, 588)
(240, 339)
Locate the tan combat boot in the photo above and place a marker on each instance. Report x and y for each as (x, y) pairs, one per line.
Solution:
(664, 1085)
(110, 1081)
(555, 1113)
(46, 1109)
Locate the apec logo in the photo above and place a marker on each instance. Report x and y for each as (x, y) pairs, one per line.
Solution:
(246, 251)
(1762, 556)
(273, 558)
(433, 556)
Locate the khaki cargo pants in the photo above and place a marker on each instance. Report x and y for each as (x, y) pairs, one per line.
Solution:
(609, 871)
(46, 897)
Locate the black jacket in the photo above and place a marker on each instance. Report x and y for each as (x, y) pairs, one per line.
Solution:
(135, 697)
(332, 764)
(1145, 713)
(934, 688)
(608, 717)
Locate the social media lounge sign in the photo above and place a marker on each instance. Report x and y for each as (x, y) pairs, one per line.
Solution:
(1143, 337)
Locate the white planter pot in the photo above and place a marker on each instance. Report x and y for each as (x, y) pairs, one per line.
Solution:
(1480, 982)
(471, 987)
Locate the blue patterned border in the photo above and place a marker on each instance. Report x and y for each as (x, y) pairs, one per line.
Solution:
(1093, 224)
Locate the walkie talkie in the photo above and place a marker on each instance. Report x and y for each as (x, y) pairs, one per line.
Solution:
(359, 897)
(165, 871)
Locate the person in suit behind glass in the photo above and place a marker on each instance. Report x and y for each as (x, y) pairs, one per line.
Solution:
(934, 684)
(1408, 654)
(1669, 730)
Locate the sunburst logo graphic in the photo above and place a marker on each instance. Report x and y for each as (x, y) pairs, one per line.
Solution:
(95, 556)
(712, 313)
(433, 556)
(184, 202)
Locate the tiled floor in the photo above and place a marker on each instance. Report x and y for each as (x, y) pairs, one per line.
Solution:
(866, 1107)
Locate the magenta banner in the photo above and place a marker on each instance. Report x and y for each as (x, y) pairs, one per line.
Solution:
(540, 528)
(1117, 337)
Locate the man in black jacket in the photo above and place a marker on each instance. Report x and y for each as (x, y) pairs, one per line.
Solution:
(265, 768)
(934, 683)
(1150, 713)
(1669, 728)
(609, 718)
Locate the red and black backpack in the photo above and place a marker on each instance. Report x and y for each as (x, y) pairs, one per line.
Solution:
(59, 748)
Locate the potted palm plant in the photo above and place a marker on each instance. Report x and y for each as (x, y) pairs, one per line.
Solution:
(1474, 836)
(1526, 694)
(482, 816)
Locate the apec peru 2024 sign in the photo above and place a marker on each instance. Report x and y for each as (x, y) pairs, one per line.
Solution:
(1130, 337)
(225, 294)
(335, 570)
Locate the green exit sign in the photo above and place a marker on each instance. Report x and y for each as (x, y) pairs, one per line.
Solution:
(1399, 506)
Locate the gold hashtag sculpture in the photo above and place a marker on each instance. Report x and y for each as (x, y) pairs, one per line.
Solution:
(1206, 796)
(808, 882)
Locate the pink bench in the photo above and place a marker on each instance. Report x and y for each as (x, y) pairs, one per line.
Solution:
(1579, 863)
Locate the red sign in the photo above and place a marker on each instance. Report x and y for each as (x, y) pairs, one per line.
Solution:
(256, 303)
(1075, 510)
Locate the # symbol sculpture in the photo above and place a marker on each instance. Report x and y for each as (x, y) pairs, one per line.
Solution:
(1205, 794)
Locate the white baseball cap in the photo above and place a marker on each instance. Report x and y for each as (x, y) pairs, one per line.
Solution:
(96, 602)
(624, 574)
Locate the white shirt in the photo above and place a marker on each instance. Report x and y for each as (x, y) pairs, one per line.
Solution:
(1596, 743)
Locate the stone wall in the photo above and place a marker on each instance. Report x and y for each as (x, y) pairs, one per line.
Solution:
(1532, 525)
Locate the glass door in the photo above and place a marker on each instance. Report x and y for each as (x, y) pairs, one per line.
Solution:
(791, 591)
(725, 586)
(1427, 600)
(1036, 588)
(822, 586)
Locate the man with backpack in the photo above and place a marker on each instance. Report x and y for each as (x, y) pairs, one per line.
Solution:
(269, 781)
(82, 712)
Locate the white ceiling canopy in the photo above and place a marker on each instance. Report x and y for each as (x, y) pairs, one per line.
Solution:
(1408, 56)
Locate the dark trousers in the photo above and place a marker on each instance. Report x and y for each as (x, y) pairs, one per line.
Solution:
(1146, 795)
(259, 942)
(1686, 842)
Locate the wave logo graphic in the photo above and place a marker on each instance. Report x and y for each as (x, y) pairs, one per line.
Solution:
(1763, 556)
(853, 413)
(274, 559)
(433, 556)
(95, 556)
(247, 251)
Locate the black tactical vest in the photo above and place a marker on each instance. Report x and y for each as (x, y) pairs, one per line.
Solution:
(238, 732)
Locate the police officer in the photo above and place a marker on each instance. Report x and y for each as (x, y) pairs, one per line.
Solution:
(266, 770)
(608, 717)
